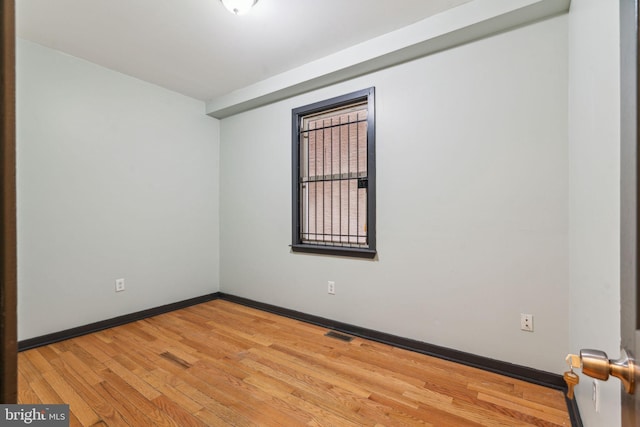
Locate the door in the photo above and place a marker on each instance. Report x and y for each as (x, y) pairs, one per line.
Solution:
(629, 188)
(8, 331)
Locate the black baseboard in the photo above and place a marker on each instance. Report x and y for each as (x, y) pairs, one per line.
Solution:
(110, 323)
(511, 370)
(523, 373)
(574, 412)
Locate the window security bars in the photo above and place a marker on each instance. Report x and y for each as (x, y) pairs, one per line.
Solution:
(333, 177)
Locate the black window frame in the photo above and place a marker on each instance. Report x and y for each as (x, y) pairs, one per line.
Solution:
(298, 114)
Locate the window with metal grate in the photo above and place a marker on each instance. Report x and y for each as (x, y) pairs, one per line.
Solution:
(333, 159)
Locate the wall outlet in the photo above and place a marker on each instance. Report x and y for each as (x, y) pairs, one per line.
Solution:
(119, 285)
(526, 322)
(331, 287)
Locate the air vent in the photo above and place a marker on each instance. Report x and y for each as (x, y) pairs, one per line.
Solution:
(339, 336)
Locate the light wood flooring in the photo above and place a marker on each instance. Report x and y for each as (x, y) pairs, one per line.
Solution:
(223, 364)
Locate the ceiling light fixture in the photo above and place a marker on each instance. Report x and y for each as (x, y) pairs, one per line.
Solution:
(239, 7)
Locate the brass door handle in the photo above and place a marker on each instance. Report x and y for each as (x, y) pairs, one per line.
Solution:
(596, 364)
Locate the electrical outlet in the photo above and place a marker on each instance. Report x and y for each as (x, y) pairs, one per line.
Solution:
(526, 322)
(331, 287)
(119, 285)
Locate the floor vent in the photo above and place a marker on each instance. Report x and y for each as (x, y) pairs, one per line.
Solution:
(339, 336)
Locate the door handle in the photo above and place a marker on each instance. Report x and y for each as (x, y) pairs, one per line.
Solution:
(596, 364)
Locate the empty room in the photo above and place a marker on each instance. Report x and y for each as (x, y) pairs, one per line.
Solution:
(320, 212)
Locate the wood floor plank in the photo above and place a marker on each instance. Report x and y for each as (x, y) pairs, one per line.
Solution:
(27, 369)
(527, 409)
(308, 401)
(117, 395)
(224, 364)
(174, 410)
(214, 420)
(170, 393)
(26, 393)
(89, 393)
(44, 391)
(69, 395)
(314, 370)
(120, 366)
(97, 348)
(78, 366)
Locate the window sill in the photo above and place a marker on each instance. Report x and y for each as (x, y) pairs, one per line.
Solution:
(334, 250)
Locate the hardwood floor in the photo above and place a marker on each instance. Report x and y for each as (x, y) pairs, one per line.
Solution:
(223, 364)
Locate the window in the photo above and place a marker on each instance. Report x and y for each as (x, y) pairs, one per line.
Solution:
(333, 160)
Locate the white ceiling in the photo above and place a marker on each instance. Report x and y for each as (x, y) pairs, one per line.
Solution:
(198, 48)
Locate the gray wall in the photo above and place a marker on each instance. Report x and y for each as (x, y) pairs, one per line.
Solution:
(594, 209)
(472, 203)
(117, 178)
